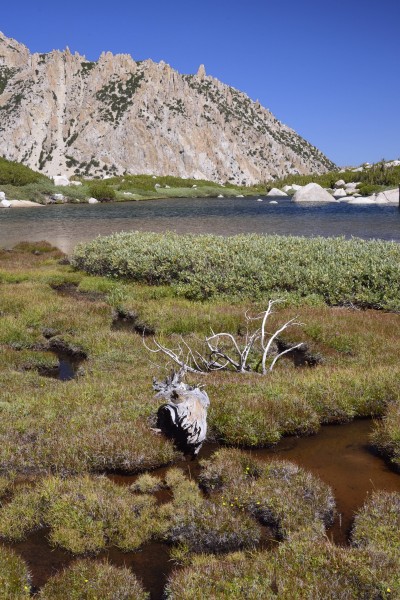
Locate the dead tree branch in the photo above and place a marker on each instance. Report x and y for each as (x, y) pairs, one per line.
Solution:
(225, 351)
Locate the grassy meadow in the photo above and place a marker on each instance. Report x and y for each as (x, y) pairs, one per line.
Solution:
(19, 182)
(60, 439)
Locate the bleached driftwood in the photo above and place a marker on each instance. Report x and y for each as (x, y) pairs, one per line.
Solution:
(224, 351)
(183, 417)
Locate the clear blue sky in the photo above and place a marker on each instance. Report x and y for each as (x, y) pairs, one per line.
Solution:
(328, 68)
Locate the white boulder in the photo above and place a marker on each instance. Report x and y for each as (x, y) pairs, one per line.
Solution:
(58, 197)
(276, 192)
(339, 193)
(340, 183)
(93, 201)
(2, 196)
(23, 204)
(287, 188)
(157, 185)
(273, 202)
(61, 180)
(312, 192)
(388, 197)
(5, 203)
(76, 183)
(350, 186)
(240, 196)
(296, 187)
(220, 196)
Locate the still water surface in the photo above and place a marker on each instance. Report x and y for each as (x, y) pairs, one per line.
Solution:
(66, 225)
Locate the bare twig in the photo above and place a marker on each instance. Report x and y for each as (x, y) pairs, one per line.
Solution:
(224, 351)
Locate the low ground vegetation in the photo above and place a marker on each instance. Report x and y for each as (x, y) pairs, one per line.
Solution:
(331, 270)
(19, 182)
(90, 580)
(55, 435)
(279, 494)
(14, 576)
(302, 568)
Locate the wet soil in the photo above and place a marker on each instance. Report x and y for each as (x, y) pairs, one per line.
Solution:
(339, 454)
(67, 368)
(71, 290)
(126, 320)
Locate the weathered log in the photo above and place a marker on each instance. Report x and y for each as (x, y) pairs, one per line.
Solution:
(183, 417)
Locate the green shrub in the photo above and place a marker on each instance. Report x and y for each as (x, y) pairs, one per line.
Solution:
(371, 179)
(14, 173)
(368, 189)
(89, 580)
(365, 273)
(101, 191)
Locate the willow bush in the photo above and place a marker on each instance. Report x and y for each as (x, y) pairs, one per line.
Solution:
(336, 270)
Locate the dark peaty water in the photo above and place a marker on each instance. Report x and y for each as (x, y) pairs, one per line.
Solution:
(66, 225)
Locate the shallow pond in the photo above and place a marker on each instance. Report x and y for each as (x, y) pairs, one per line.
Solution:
(66, 225)
(338, 454)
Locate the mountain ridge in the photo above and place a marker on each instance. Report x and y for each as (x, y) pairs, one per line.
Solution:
(61, 113)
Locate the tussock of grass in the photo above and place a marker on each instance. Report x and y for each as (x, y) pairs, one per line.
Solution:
(386, 435)
(377, 524)
(301, 569)
(84, 514)
(201, 525)
(279, 494)
(365, 273)
(147, 484)
(90, 580)
(14, 576)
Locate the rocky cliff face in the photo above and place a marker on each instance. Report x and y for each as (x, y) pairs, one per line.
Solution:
(60, 113)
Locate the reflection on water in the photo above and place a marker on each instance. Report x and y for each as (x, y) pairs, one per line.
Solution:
(66, 225)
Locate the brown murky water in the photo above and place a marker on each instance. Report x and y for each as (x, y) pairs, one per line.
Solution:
(339, 454)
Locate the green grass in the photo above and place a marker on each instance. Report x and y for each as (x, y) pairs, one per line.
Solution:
(377, 524)
(14, 576)
(335, 270)
(279, 494)
(89, 580)
(19, 182)
(54, 434)
(113, 400)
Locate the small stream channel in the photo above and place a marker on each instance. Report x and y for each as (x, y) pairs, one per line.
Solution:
(339, 454)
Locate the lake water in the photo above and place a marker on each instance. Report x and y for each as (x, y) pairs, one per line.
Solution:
(66, 225)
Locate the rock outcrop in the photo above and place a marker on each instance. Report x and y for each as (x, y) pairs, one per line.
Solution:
(63, 114)
(312, 192)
